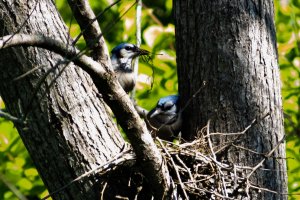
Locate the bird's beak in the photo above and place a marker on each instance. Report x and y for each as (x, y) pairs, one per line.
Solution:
(156, 112)
(140, 52)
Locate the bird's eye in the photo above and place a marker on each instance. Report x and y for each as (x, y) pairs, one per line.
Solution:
(168, 106)
(128, 48)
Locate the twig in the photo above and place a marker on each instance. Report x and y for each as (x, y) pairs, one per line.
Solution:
(221, 175)
(209, 141)
(267, 156)
(193, 96)
(236, 133)
(102, 191)
(175, 168)
(12, 188)
(154, 18)
(9, 117)
(248, 185)
(22, 25)
(185, 167)
(213, 192)
(119, 158)
(228, 144)
(93, 20)
(246, 149)
(28, 73)
(263, 189)
(200, 180)
(39, 83)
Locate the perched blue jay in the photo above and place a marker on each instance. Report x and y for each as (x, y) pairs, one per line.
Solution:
(165, 118)
(121, 58)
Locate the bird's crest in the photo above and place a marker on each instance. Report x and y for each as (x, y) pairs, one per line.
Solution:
(122, 46)
(173, 98)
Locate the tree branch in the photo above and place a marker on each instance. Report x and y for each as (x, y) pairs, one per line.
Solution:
(138, 34)
(90, 28)
(105, 80)
(9, 117)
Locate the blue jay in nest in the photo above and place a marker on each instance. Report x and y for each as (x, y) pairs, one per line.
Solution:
(121, 58)
(165, 119)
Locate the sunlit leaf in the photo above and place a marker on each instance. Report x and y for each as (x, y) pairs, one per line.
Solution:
(31, 172)
(24, 183)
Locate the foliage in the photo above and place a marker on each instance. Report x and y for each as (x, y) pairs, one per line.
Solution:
(287, 24)
(16, 168)
(158, 37)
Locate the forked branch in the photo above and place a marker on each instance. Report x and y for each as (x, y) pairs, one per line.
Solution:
(105, 80)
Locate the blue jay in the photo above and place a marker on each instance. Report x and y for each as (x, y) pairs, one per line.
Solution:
(121, 58)
(165, 118)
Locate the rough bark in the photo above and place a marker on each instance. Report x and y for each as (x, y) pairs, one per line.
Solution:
(104, 79)
(68, 128)
(231, 46)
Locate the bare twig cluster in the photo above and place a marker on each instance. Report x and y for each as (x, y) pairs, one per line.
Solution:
(197, 173)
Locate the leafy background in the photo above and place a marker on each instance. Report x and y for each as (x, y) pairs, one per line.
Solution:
(17, 172)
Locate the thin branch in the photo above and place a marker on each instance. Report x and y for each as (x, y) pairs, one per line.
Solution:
(263, 189)
(93, 20)
(95, 41)
(236, 133)
(266, 156)
(138, 22)
(117, 160)
(40, 82)
(86, 19)
(246, 149)
(193, 96)
(220, 173)
(175, 168)
(185, 167)
(50, 44)
(154, 18)
(9, 117)
(12, 188)
(28, 73)
(24, 23)
(102, 191)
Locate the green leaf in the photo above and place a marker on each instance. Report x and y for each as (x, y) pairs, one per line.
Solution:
(25, 184)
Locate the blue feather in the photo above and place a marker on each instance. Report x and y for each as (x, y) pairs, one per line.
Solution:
(173, 98)
(119, 47)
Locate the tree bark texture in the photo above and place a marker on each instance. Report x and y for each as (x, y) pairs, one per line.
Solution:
(68, 130)
(231, 47)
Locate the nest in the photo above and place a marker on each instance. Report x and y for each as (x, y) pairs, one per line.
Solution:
(195, 169)
(196, 172)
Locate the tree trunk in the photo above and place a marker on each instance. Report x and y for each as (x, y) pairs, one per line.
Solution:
(68, 130)
(227, 56)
